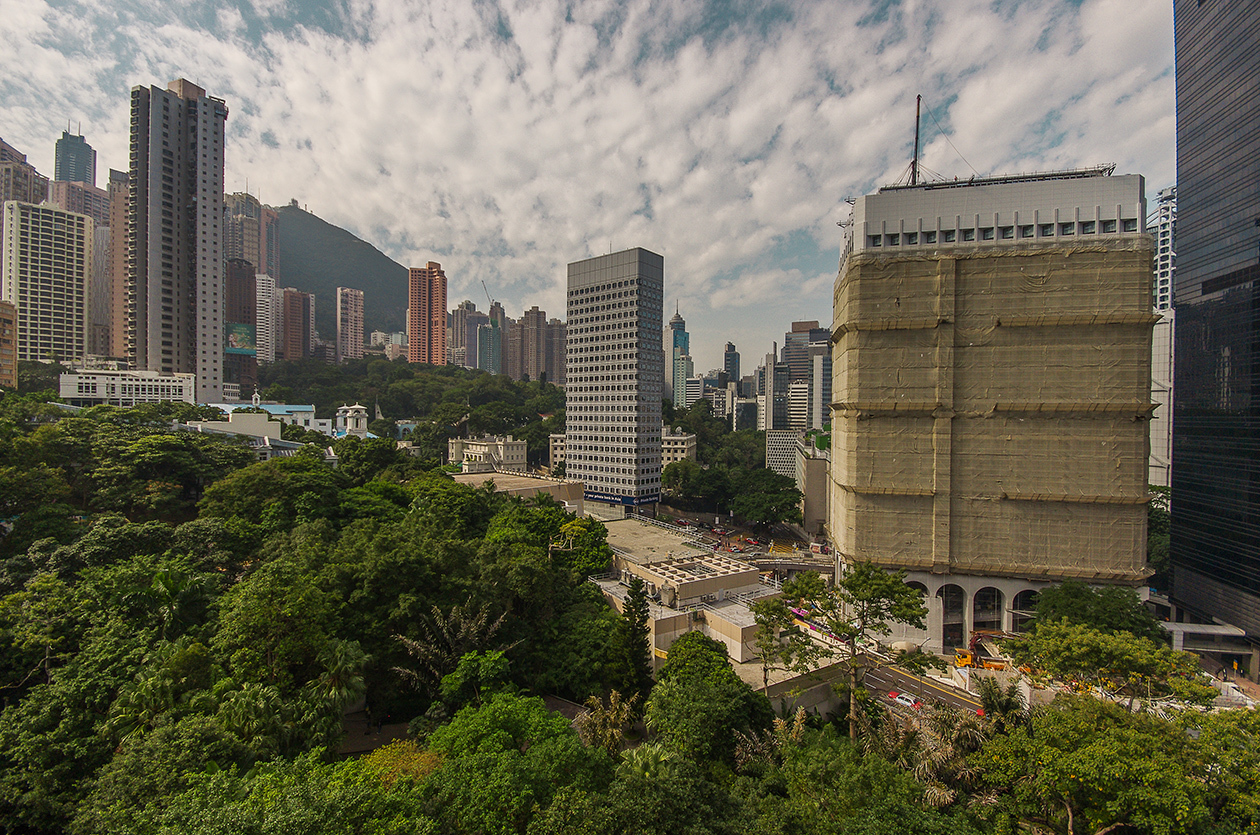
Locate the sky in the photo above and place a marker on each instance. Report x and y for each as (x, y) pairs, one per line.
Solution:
(507, 139)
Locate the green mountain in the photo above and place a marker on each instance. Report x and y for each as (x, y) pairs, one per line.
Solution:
(317, 257)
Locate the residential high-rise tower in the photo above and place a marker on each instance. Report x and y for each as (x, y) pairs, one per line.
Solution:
(45, 272)
(174, 242)
(615, 371)
(426, 314)
(349, 324)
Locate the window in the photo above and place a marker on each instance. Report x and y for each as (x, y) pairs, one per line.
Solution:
(894, 240)
(1047, 230)
(912, 238)
(1129, 224)
(1108, 227)
(1067, 228)
(1026, 231)
(1087, 227)
(929, 237)
(950, 235)
(968, 234)
(875, 240)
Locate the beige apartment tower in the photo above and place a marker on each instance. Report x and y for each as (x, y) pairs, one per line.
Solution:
(991, 391)
(46, 273)
(349, 324)
(174, 236)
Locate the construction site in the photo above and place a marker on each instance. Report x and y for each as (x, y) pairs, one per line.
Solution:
(991, 356)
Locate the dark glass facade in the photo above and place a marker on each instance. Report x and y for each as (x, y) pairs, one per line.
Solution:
(1216, 420)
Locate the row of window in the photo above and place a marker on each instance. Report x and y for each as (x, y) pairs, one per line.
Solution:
(1005, 233)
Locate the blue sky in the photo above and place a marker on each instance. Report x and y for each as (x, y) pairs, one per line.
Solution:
(505, 139)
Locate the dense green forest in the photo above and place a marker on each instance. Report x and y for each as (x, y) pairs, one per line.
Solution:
(182, 628)
(445, 401)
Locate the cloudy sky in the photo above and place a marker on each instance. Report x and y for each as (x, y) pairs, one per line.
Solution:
(505, 139)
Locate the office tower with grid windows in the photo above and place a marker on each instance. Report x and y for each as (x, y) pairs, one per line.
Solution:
(426, 314)
(614, 376)
(174, 235)
(1215, 541)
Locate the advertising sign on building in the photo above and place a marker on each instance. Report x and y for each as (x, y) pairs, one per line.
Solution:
(241, 339)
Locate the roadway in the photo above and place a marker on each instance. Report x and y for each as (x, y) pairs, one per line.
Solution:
(882, 680)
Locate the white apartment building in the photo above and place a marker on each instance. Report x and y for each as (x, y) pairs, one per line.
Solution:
(614, 373)
(45, 272)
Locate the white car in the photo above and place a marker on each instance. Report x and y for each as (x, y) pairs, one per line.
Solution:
(906, 700)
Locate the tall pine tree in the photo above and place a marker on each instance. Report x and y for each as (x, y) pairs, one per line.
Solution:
(638, 635)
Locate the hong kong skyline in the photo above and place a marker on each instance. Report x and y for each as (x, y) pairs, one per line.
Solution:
(507, 140)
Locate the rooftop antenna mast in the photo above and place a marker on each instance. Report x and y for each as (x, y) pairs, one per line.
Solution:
(914, 162)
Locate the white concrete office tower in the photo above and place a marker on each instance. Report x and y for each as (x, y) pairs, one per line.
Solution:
(266, 311)
(45, 272)
(175, 236)
(349, 324)
(615, 372)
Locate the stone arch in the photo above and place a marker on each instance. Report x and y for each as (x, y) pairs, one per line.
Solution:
(1023, 608)
(953, 616)
(987, 610)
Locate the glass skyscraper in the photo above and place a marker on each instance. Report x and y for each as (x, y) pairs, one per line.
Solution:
(1216, 422)
(75, 161)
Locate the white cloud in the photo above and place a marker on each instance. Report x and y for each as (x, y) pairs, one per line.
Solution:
(425, 131)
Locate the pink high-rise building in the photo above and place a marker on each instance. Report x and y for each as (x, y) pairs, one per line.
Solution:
(426, 314)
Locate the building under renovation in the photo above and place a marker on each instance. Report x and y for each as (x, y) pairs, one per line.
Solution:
(991, 379)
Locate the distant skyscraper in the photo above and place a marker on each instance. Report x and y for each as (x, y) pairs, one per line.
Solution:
(250, 232)
(532, 335)
(267, 315)
(349, 324)
(75, 161)
(175, 248)
(805, 341)
(45, 272)
(730, 362)
(119, 207)
(297, 325)
(556, 338)
(240, 311)
(490, 347)
(1216, 435)
(614, 376)
(18, 179)
(680, 365)
(426, 314)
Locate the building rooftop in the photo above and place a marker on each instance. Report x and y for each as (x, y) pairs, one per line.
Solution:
(646, 543)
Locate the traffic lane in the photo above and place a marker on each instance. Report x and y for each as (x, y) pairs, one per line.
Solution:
(885, 679)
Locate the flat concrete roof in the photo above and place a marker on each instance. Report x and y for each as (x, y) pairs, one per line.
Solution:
(645, 543)
(504, 482)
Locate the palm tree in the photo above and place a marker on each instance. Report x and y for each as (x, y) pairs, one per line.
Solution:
(444, 640)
